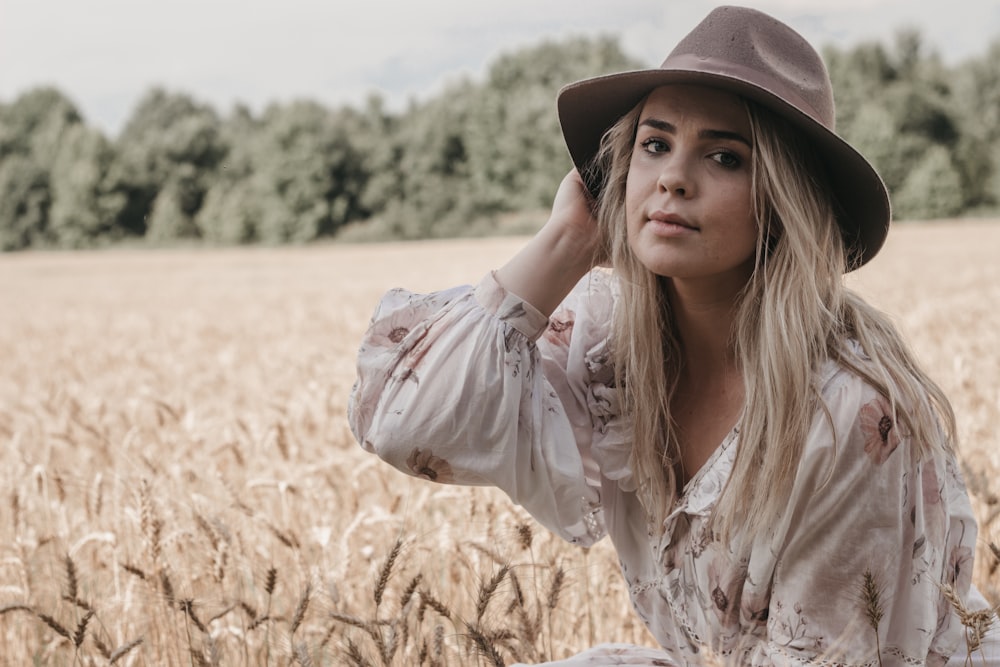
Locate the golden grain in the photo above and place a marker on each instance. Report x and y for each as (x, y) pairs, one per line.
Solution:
(173, 429)
(386, 572)
(124, 650)
(55, 625)
(487, 590)
(81, 629)
(300, 609)
(871, 602)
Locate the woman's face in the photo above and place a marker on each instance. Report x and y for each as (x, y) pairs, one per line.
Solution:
(687, 196)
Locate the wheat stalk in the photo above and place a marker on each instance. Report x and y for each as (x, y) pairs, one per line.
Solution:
(102, 648)
(525, 535)
(300, 609)
(81, 629)
(71, 579)
(354, 654)
(385, 572)
(187, 606)
(976, 623)
(55, 625)
(257, 622)
(124, 650)
(271, 580)
(428, 600)
(132, 569)
(871, 599)
(410, 589)
(486, 648)
(167, 588)
(286, 538)
(486, 592)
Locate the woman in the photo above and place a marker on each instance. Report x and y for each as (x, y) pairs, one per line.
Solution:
(757, 441)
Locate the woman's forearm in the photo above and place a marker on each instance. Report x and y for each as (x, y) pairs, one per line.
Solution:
(555, 260)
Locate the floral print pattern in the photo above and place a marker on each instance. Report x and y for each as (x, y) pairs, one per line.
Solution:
(423, 463)
(879, 428)
(509, 398)
(559, 331)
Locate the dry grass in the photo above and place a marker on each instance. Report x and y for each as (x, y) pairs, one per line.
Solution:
(180, 486)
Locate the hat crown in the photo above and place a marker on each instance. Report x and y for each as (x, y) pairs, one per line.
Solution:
(748, 45)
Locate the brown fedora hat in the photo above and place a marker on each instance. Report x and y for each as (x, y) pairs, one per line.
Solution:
(757, 57)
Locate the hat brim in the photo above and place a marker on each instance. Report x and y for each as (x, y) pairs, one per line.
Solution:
(588, 108)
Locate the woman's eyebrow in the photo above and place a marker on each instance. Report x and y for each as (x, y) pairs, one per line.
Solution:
(724, 134)
(669, 128)
(660, 125)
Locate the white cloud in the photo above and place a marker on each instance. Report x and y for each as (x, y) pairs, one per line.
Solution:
(106, 53)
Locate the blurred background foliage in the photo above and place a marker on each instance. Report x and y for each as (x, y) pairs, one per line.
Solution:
(479, 157)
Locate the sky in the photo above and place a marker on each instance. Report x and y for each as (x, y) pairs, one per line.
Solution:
(105, 54)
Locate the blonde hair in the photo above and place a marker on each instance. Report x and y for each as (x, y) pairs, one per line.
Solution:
(793, 315)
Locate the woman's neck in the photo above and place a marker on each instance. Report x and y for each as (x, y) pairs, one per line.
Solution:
(709, 393)
(704, 322)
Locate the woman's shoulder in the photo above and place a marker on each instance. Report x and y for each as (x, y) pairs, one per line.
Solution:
(847, 375)
(863, 411)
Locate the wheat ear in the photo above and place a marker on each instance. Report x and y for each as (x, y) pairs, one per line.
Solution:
(386, 572)
(976, 623)
(486, 592)
(871, 598)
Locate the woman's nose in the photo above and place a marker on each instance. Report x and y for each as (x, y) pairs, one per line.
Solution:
(675, 177)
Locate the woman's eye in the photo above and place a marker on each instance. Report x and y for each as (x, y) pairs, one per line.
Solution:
(655, 145)
(727, 159)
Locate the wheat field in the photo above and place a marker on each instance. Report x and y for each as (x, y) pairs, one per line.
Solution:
(180, 486)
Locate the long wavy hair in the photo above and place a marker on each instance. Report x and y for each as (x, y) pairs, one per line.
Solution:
(793, 315)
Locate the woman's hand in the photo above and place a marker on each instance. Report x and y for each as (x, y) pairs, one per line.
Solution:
(565, 249)
(572, 214)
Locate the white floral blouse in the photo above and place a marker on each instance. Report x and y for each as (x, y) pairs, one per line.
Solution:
(474, 386)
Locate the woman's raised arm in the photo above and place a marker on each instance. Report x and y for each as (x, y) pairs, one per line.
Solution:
(555, 260)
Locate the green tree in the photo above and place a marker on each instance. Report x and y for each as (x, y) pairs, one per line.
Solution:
(515, 149)
(55, 187)
(25, 200)
(933, 189)
(381, 146)
(480, 149)
(427, 189)
(307, 176)
(976, 85)
(876, 132)
(897, 107)
(229, 212)
(34, 124)
(84, 204)
(859, 76)
(170, 216)
(172, 139)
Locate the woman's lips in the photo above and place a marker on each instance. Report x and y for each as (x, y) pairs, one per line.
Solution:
(671, 222)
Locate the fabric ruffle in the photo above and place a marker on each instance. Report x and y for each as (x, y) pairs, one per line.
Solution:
(612, 444)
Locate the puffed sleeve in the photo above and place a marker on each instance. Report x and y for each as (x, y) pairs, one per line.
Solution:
(865, 508)
(470, 386)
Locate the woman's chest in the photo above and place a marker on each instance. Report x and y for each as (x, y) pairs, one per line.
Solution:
(702, 421)
(689, 587)
(692, 591)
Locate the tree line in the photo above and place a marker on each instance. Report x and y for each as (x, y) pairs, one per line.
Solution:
(453, 164)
